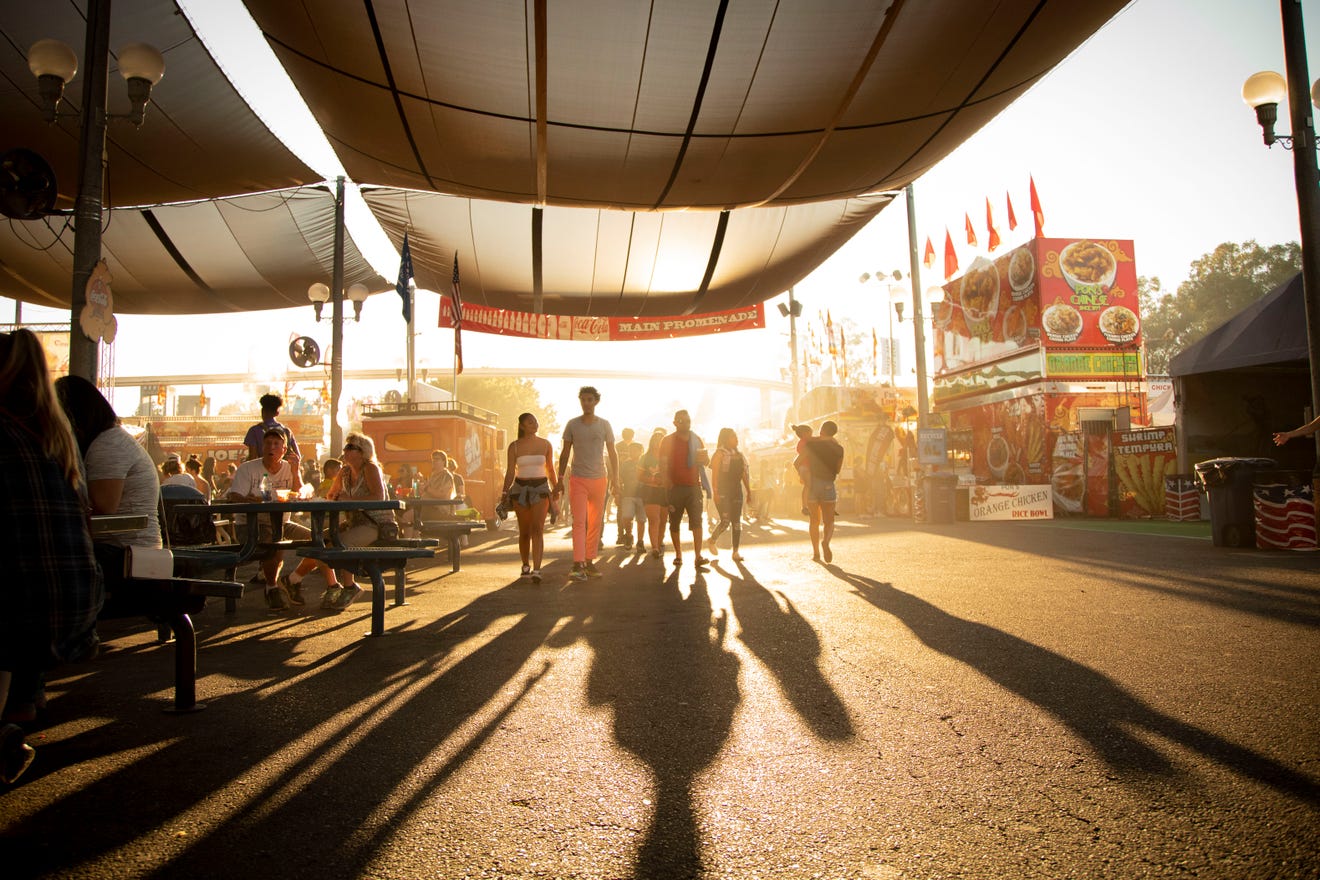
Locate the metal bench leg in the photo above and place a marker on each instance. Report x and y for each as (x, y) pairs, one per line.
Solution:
(185, 664)
(377, 599)
(401, 585)
(453, 552)
(231, 604)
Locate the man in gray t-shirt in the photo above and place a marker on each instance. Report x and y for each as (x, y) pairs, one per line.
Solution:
(590, 441)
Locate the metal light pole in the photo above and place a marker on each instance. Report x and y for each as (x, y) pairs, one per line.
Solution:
(337, 322)
(83, 360)
(793, 349)
(1307, 178)
(918, 327)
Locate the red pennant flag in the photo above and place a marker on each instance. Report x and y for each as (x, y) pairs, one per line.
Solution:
(929, 257)
(990, 225)
(950, 258)
(1012, 218)
(1036, 210)
(971, 233)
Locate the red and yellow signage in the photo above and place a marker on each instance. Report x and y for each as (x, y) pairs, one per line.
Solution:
(483, 319)
(1074, 300)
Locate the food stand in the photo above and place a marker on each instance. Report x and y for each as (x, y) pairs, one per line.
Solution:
(1038, 374)
(405, 434)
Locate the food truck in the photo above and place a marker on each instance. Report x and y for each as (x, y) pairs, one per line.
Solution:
(405, 434)
(877, 429)
(1038, 376)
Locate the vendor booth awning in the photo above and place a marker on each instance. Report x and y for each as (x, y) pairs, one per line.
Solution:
(1270, 331)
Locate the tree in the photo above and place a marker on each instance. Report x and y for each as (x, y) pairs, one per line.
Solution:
(507, 397)
(1221, 284)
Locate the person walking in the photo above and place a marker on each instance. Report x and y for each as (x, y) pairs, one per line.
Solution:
(589, 443)
(729, 474)
(682, 456)
(631, 507)
(527, 487)
(622, 449)
(822, 458)
(655, 500)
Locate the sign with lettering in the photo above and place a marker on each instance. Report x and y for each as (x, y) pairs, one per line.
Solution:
(1011, 502)
(505, 322)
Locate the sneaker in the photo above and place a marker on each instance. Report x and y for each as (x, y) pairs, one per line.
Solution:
(15, 754)
(330, 596)
(276, 598)
(579, 572)
(526, 572)
(678, 560)
(639, 548)
(293, 590)
(536, 575)
(701, 560)
(657, 553)
(346, 597)
(590, 569)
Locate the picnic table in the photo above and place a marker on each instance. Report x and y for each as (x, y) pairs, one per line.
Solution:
(325, 543)
(426, 524)
(169, 601)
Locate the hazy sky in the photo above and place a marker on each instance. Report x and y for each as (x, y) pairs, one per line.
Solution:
(1141, 134)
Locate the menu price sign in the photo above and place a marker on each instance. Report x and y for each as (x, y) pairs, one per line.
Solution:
(1011, 502)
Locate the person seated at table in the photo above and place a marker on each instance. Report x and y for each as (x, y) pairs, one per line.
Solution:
(223, 478)
(121, 478)
(329, 471)
(280, 592)
(193, 468)
(54, 590)
(171, 474)
(360, 479)
(440, 484)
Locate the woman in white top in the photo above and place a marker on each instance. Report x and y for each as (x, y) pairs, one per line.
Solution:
(528, 484)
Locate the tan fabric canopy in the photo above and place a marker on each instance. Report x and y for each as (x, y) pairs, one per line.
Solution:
(246, 253)
(615, 263)
(200, 139)
(666, 104)
(587, 157)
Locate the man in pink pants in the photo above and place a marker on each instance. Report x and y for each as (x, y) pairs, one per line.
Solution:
(590, 440)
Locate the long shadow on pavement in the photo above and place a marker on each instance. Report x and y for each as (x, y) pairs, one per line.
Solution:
(673, 687)
(292, 780)
(1091, 704)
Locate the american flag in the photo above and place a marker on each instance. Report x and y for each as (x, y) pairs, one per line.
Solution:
(455, 301)
(405, 275)
(1285, 516)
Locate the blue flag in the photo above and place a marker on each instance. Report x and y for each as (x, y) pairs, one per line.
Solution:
(405, 275)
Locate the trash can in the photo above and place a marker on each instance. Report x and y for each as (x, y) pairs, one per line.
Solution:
(1229, 482)
(1284, 505)
(941, 491)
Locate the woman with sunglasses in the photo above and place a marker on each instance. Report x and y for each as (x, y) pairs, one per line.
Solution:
(360, 478)
(528, 486)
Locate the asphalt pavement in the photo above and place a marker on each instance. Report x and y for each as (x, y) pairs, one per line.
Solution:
(973, 700)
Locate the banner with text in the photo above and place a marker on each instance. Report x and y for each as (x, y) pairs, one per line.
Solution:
(1011, 502)
(484, 319)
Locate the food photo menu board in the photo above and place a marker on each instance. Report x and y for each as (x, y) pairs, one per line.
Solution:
(1074, 299)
